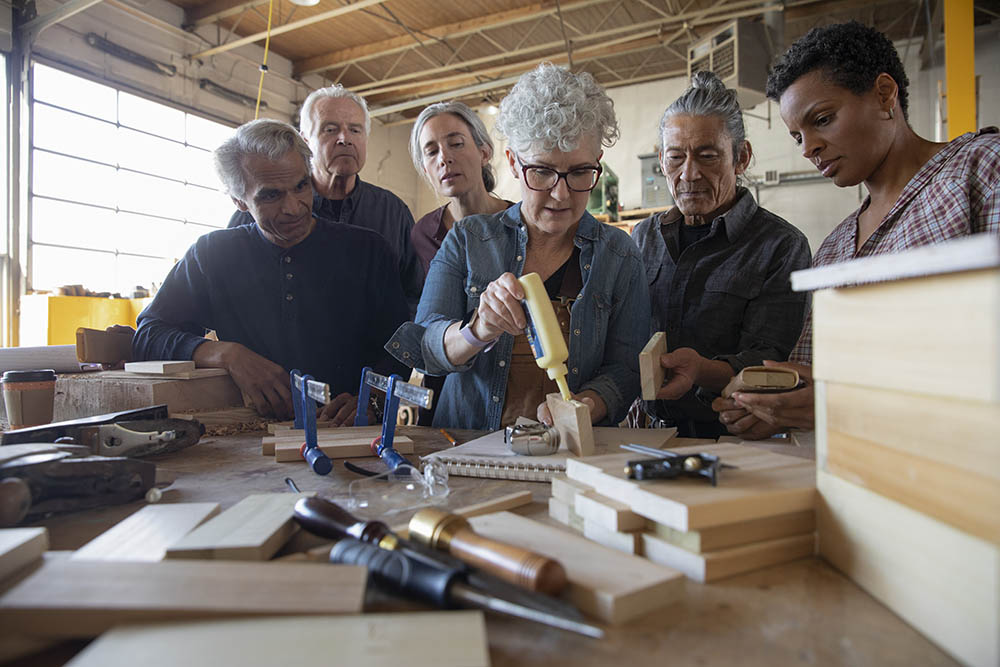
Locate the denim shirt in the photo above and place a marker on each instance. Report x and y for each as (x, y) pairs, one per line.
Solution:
(609, 321)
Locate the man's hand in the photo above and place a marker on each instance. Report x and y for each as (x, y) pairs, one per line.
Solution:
(341, 411)
(683, 368)
(598, 409)
(756, 416)
(262, 380)
(117, 329)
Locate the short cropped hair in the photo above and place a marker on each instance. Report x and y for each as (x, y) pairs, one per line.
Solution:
(850, 55)
(270, 138)
(336, 90)
(552, 108)
(476, 128)
(708, 96)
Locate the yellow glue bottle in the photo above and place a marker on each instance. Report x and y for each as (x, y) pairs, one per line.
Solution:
(543, 332)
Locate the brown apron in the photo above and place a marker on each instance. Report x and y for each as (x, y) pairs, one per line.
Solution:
(527, 384)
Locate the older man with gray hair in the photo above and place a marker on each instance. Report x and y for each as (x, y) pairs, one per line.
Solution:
(717, 264)
(293, 290)
(336, 123)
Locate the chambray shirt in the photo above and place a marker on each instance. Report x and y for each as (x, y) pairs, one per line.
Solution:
(323, 306)
(727, 295)
(955, 193)
(378, 209)
(609, 321)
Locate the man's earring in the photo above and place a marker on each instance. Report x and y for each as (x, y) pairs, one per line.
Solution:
(892, 115)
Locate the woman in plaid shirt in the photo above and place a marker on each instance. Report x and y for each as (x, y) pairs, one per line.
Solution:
(842, 94)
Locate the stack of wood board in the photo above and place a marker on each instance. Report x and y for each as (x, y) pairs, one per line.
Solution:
(907, 381)
(761, 514)
(337, 443)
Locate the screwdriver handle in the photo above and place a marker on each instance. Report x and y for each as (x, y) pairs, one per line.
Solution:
(522, 567)
(397, 573)
(326, 519)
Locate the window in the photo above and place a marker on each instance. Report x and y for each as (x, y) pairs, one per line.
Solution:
(120, 186)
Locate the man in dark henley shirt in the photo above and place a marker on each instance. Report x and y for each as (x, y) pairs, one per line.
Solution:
(291, 291)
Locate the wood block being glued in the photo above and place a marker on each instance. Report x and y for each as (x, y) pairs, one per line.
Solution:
(252, 529)
(146, 535)
(650, 371)
(572, 421)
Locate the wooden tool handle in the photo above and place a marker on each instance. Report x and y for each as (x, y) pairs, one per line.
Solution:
(518, 566)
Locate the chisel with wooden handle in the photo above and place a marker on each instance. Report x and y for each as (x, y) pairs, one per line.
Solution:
(452, 533)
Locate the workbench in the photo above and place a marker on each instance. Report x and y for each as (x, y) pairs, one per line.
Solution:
(802, 612)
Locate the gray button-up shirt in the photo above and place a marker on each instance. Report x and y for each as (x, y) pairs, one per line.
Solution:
(727, 295)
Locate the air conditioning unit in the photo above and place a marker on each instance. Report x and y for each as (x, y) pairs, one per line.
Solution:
(738, 53)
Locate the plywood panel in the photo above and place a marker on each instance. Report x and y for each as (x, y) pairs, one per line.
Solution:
(942, 581)
(69, 598)
(145, 535)
(373, 640)
(604, 583)
(764, 484)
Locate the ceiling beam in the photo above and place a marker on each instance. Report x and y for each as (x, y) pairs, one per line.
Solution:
(424, 101)
(288, 27)
(212, 11)
(458, 29)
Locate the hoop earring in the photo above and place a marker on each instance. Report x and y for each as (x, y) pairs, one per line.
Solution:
(892, 115)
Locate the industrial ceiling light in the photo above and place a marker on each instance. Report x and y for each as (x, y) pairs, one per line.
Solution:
(305, 3)
(129, 55)
(231, 95)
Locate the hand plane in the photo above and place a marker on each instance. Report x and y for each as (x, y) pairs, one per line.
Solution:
(133, 433)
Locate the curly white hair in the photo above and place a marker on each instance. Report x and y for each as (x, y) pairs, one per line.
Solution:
(552, 108)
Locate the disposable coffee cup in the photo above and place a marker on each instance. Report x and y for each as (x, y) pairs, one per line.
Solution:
(29, 396)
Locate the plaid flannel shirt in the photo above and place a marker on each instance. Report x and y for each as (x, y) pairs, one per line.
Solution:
(956, 193)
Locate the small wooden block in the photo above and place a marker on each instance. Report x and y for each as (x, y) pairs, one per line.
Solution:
(572, 421)
(565, 515)
(650, 371)
(71, 598)
(97, 346)
(413, 639)
(291, 450)
(566, 490)
(146, 535)
(604, 583)
(715, 565)
(629, 543)
(159, 367)
(19, 547)
(252, 529)
(607, 513)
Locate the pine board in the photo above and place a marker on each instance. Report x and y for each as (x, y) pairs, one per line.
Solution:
(564, 514)
(937, 335)
(146, 534)
(943, 582)
(19, 547)
(252, 529)
(765, 484)
(566, 489)
(604, 583)
(629, 543)
(374, 640)
(159, 367)
(337, 448)
(651, 373)
(714, 565)
(610, 514)
(70, 598)
(737, 534)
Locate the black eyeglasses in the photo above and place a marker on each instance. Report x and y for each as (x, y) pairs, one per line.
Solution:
(582, 179)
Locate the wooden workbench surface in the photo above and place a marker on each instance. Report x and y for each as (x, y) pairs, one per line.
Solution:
(799, 613)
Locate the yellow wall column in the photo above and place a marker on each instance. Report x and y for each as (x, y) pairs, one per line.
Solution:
(960, 66)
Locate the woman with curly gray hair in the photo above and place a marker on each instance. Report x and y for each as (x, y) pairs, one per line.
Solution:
(470, 323)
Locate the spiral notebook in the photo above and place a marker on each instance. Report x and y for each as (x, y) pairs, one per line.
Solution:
(488, 456)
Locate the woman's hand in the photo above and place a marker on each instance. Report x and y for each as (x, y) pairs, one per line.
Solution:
(500, 309)
(593, 400)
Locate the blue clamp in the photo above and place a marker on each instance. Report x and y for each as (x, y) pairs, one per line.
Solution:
(381, 446)
(305, 418)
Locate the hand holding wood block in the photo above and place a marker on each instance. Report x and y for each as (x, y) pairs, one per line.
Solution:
(651, 372)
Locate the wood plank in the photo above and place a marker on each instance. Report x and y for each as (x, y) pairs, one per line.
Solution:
(146, 534)
(956, 432)
(252, 529)
(629, 543)
(943, 582)
(20, 547)
(373, 640)
(566, 489)
(290, 449)
(193, 374)
(715, 565)
(159, 367)
(227, 417)
(70, 598)
(572, 421)
(604, 583)
(737, 534)
(651, 372)
(564, 514)
(764, 484)
(895, 335)
(607, 513)
(970, 501)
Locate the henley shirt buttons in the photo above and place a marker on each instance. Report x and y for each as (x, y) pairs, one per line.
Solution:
(496, 399)
(288, 276)
(288, 260)
(289, 297)
(587, 266)
(473, 289)
(502, 363)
